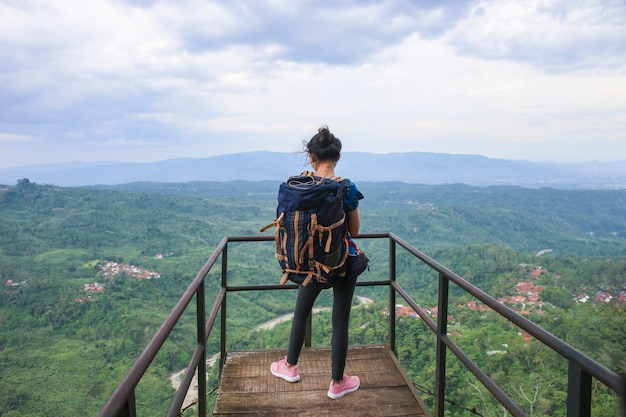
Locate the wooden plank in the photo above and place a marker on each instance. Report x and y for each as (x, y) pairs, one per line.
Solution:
(248, 388)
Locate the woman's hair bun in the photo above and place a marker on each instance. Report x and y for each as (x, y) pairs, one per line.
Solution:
(324, 145)
(326, 138)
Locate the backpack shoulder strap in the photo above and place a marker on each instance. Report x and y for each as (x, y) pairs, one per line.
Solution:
(312, 174)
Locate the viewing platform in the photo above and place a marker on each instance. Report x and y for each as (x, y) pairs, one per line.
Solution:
(247, 387)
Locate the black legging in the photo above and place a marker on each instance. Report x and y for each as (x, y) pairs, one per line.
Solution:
(343, 291)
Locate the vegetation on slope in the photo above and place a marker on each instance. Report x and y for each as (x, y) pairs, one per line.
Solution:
(63, 350)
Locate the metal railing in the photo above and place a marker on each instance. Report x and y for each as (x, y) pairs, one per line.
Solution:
(582, 369)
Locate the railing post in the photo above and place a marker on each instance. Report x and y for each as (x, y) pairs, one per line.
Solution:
(578, 391)
(392, 296)
(223, 309)
(442, 329)
(201, 331)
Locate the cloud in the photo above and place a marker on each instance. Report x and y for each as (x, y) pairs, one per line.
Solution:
(16, 138)
(559, 36)
(331, 32)
(149, 80)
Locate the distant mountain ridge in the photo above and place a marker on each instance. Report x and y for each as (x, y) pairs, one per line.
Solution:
(409, 167)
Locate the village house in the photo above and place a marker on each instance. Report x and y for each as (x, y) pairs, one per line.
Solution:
(603, 297)
(580, 297)
(110, 269)
(473, 305)
(403, 311)
(535, 273)
(93, 287)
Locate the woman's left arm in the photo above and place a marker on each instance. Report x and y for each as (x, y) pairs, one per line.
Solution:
(354, 222)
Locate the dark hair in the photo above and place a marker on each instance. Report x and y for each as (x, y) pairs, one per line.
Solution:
(324, 145)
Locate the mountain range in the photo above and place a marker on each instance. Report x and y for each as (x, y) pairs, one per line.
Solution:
(409, 167)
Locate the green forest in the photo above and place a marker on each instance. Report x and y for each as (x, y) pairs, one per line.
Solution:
(89, 274)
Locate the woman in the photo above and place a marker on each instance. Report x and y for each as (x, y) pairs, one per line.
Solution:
(324, 150)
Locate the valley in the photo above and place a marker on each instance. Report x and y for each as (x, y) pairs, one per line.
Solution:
(54, 242)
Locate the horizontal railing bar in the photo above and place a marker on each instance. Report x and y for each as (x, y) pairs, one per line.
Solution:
(383, 235)
(251, 238)
(606, 376)
(260, 287)
(372, 283)
(268, 238)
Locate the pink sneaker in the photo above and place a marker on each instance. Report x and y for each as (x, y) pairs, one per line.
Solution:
(280, 369)
(348, 385)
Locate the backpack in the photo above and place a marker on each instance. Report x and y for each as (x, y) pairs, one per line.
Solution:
(311, 230)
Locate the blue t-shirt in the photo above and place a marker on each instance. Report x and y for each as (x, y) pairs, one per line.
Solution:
(351, 197)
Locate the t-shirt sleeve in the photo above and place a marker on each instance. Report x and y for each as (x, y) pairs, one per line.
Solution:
(351, 197)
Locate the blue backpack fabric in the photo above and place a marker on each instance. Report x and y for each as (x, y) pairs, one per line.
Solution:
(311, 230)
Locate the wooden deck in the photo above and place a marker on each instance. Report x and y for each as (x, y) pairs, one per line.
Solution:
(248, 389)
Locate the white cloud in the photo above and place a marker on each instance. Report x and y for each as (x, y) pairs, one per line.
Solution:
(147, 80)
(553, 35)
(6, 138)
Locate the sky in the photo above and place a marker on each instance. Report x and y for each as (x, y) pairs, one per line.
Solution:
(143, 80)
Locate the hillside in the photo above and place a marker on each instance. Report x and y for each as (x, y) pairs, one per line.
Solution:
(410, 167)
(95, 271)
(587, 222)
